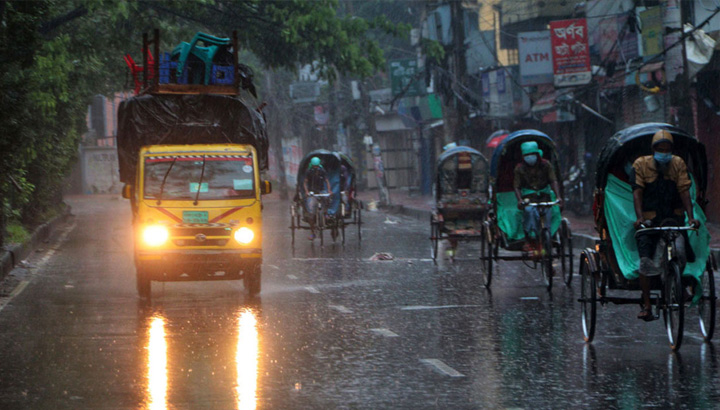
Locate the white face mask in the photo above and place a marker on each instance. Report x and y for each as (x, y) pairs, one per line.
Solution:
(531, 159)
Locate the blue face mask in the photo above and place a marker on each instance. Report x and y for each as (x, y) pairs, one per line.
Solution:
(531, 159)
(663, 157)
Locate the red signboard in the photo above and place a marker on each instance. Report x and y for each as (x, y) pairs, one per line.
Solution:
(570, 51)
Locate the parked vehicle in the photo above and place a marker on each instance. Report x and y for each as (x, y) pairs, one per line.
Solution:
(577, 191)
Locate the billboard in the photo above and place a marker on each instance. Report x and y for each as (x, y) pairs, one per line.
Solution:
(535, 56)
(570, 52)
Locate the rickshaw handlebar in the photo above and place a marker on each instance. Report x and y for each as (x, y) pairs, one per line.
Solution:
(542, 204)
(665, 228)
(319, 195)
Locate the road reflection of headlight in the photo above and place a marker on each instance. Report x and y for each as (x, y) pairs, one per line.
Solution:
(157, 365)
(155, 235)
(246, 360)
(244, 235)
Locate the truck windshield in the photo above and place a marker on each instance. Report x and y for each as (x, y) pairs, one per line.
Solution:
(224, 177)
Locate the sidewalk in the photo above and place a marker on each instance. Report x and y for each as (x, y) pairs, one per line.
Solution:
(583, 228)
(12, 254)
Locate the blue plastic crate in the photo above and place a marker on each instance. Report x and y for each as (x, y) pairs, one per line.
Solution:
(168, 71)
(222, 75)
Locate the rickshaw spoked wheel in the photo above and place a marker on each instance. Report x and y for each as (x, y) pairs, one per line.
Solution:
(341, 222)
(588, 299)
(486, 254)
(674, 306)
(706, 307)
(292, 225)
(434, 238)
(565, 252)
(320, 224)
(546, 258)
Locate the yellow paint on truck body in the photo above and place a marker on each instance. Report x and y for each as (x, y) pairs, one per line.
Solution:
(201, 236)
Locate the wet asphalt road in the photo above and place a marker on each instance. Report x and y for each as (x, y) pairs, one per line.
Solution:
(330, 330)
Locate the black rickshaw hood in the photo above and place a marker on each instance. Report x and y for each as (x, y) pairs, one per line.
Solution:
(513, 138)
(637, 139)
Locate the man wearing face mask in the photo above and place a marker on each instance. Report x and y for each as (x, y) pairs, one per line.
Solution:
(661, 192)
(534, 179)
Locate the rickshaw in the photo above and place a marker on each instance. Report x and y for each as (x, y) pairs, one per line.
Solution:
(336, 209)
(613, 263)
(461, 197)
(503, 228)
(350, 207)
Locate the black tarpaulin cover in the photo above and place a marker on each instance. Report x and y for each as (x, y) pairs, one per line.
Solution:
(186, 119)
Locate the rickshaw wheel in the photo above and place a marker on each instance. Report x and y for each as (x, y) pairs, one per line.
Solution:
(334, 228)
(341, 221)
(320, 225)
(566, 256)
(434, 239)
(546, 260)
(588, 299)
(486, 254)
(292, 225)
(706, 307)
(674, 309)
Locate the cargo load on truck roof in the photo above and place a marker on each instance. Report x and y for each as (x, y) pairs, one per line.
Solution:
(186, 119)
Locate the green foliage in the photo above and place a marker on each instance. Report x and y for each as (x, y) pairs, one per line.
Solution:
(16, 233)
(56, 54)
(433, 49)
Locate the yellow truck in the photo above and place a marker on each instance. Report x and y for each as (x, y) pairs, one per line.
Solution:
(192, 166)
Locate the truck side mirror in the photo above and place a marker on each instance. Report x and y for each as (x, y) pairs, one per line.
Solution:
(266, 188)
(127, 191)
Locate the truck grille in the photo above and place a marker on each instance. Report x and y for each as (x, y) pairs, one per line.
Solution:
(205, 230)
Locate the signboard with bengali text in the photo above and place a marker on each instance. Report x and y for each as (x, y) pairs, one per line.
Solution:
(571, 52)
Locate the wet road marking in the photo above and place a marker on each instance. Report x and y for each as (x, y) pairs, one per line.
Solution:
(385, 332)
(312, 289)
(443, 368)
(23, 284)
(421, 307)
(341, 308)
(293, 277)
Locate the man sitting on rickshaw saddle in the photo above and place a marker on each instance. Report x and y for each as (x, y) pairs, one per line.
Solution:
(661, 195)
(534, 181)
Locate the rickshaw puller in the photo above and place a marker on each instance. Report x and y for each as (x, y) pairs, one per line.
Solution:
(316, 181)
(661, 191)
(534, 178)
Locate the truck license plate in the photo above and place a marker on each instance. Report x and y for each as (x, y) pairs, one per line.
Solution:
(195, 217)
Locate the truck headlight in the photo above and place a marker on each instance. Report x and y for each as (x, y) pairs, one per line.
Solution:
(155, 235)
(244, 235)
